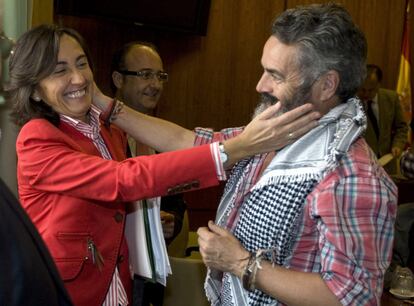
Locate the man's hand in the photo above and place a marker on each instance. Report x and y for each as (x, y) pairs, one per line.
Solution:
(167, 222)
(221, 250)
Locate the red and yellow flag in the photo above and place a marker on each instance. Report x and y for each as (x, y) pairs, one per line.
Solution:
(404, 79)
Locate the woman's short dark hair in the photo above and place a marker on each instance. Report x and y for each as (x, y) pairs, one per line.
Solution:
(34, 58)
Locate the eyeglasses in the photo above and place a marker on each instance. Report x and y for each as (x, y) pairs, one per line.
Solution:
(147, 74)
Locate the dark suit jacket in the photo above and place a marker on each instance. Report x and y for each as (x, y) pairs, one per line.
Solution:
(392, 127)
(28, 275)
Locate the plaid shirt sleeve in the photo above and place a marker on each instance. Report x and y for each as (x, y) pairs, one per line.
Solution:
(355, 216)
(205, 135)
(208, 136)
(407, 164)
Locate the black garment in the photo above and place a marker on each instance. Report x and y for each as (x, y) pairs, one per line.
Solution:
(146, 293)
(175, 205)
(28, 275)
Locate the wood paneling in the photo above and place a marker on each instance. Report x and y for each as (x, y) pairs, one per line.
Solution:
(42, 12)
(213, 78)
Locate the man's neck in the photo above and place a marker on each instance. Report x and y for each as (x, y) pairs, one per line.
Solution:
(325, 107)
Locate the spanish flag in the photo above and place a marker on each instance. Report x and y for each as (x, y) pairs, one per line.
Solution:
(404, 80)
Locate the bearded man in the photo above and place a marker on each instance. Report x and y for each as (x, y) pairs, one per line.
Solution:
(310, 224)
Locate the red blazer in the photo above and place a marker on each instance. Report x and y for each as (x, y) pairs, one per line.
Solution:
(77, 199)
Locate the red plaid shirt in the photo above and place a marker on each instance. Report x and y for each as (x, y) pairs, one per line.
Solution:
(346, 234)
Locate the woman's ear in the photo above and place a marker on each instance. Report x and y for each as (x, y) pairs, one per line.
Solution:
(35, 96)
(329, 85)
(117, 79)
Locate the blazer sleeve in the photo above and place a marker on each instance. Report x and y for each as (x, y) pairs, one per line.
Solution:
(399, 126)
(50, 161)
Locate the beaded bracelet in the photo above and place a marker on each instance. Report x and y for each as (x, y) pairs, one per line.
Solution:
(117, 109)
(105, 115)
(249, 273)
(112, 112)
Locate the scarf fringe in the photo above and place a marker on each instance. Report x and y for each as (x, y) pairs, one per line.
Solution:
(208, 288)
(297, 175)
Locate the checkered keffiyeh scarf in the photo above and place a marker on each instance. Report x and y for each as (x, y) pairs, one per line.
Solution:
(269, 214)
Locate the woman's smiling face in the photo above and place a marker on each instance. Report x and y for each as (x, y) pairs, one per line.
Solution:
(68, 90)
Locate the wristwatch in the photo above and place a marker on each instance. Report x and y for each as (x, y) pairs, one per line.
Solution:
(223, 154)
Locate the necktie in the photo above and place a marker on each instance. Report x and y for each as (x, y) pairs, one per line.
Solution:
(372, 118)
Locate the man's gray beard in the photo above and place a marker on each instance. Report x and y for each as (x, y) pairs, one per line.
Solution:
(260, 108)
(267, 100)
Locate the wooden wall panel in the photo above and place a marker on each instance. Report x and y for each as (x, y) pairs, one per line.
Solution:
(217, 74)
(42, 12)
(213, 78)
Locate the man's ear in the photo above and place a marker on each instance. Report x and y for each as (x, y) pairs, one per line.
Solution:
(117, 79)
(329, 84)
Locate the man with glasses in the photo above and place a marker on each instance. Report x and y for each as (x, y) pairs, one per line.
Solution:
(138, 78)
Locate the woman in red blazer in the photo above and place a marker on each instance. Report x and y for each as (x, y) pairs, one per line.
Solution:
(74, 180)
